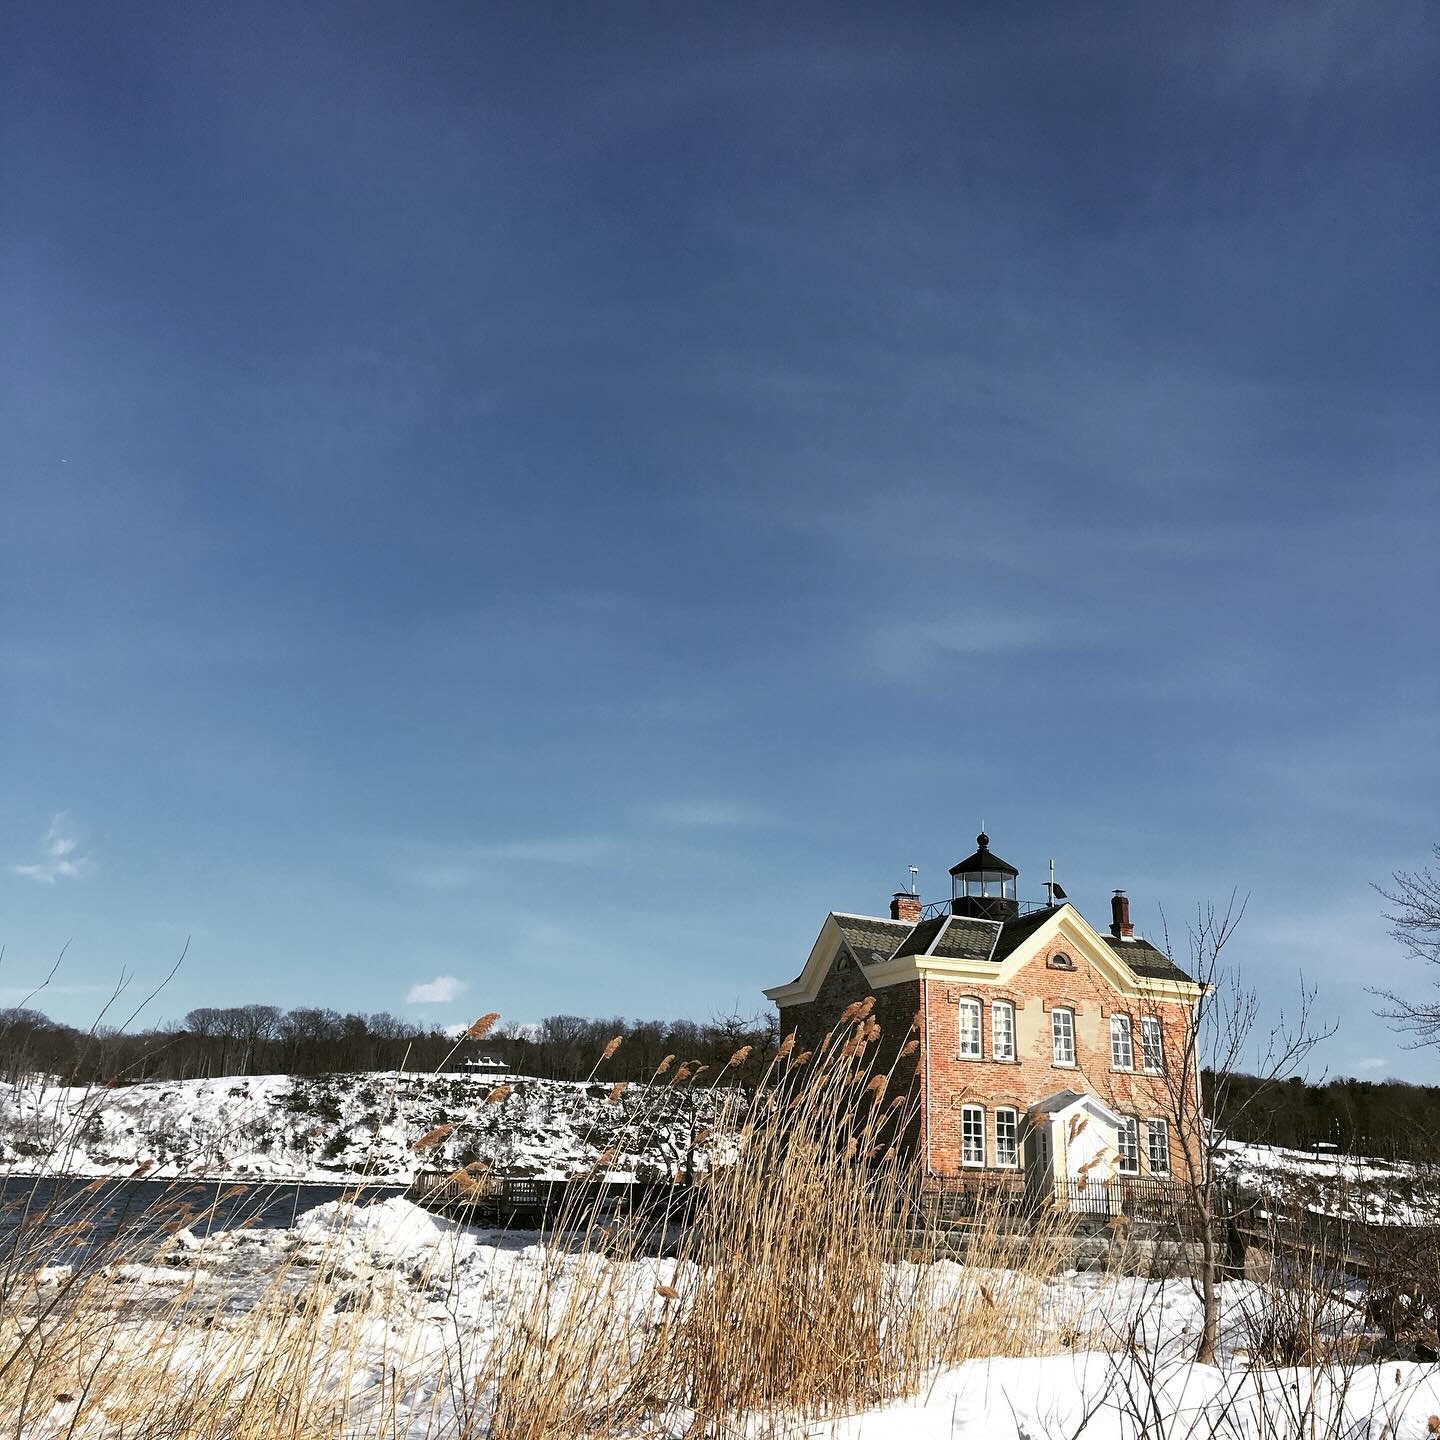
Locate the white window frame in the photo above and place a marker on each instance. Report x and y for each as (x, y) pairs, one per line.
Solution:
(967, 1113)
(1004, 1007)
(1150, 1026)
(968, 1005)
(1158, 1129)
(1129, 1128)
(1013, 1117)
(1056, 1056)
(1122, 1043)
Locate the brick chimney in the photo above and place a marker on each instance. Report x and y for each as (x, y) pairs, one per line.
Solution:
(905, 906)
(1120, 926)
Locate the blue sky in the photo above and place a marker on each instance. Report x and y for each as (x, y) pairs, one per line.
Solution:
(561, 497)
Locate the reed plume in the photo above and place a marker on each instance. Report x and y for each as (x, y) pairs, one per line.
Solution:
(431, 1138)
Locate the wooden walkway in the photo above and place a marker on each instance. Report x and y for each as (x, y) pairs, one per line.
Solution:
(527, 1203)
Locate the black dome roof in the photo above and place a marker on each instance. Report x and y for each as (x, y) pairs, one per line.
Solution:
(982, 859)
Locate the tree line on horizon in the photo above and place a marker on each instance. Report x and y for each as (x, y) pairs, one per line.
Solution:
(1382, 1118)
(264, 1040)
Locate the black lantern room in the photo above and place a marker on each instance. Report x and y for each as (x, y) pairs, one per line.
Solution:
(983, 886)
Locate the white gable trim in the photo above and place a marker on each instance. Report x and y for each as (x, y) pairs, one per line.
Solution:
(1068, 926)
(1082, 1101)
(806, 986)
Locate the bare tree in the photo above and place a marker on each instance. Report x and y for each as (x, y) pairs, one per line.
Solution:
(1415, 918)
(1224, 1040)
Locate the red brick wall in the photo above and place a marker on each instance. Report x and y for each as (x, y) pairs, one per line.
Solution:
(952, 1082)
(1034, 992)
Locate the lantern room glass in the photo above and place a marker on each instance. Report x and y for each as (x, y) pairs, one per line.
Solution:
(987, 884)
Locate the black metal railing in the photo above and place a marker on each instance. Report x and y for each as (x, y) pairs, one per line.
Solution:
(936, 908)
(961, 1197)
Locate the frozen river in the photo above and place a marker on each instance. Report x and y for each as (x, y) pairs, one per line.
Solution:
(63, 1221)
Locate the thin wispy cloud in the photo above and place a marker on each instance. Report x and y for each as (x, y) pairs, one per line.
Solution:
(440, 991)
(709, 814)
(61, 858)
(10, 994)
(908, 647)
(453, 868)
(1374, 1062)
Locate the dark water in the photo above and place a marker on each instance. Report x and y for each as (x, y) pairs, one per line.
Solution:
(64, 1222)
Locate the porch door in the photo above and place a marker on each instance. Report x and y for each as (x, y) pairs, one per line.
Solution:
(1042, 1171)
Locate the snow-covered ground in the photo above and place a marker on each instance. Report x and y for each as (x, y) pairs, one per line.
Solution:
(409, 1292)
(341, 1127)
(1386, 1192)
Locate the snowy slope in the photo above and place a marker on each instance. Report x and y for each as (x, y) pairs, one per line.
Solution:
(339, 1127)
(1386, 1192)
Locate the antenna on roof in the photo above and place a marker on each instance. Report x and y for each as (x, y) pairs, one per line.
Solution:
(914, 877)
(1055, 891)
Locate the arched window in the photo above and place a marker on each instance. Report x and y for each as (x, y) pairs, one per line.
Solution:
(1007, 1137)
(968, 1019)
(972, 1135)
(1128, 1141)
(1002, 1030)
(1122, 1048)
(1152, 1045)
(1062, 1036)
(1158, 1146)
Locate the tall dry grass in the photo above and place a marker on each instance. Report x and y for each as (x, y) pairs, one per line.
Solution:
(795, 1278)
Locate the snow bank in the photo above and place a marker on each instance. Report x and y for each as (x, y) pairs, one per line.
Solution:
(1113, 1397)
(408, 1292)
(342, 1127)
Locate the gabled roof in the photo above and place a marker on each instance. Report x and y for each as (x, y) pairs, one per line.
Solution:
(951, 937)
(871, 938)
(1014, 933)
(1063, 1100)
(1054, 1104)
(964, 937)
(961, 946)
(1144, 959)
(922, 937)
(967, 938)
